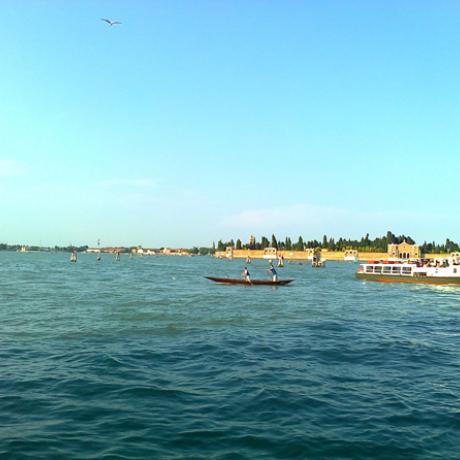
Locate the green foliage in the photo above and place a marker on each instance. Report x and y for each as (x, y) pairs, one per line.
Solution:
(264, 243)
(299, 246)
(448, 246)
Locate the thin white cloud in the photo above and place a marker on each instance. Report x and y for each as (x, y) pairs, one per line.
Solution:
(140, 183)
(299, 214)
(10, 168)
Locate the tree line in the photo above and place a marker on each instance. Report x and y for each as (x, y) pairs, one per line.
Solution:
(365, 244)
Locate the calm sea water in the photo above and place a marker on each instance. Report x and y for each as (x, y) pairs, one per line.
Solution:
(144, 358)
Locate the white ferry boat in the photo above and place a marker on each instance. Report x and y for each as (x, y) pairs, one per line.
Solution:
(350, 255)
(446, 271)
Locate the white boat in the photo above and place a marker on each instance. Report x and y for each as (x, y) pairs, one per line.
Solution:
(270, 254)
(351, 255)
(442, 271)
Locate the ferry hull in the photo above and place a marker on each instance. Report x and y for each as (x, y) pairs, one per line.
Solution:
(408, 279)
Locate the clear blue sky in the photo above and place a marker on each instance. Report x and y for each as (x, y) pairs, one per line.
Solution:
(199, 120)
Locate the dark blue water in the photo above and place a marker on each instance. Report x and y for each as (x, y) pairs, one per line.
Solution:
(144, 358)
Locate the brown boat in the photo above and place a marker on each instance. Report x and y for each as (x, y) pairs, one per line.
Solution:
(250, 283)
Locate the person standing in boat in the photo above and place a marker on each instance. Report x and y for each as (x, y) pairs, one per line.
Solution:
(246, 275)
(272, 270)
(281, 261)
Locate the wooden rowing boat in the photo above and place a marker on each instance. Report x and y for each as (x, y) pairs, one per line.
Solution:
(251, 283)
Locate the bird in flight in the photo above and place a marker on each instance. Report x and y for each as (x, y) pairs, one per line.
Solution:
(110, 22)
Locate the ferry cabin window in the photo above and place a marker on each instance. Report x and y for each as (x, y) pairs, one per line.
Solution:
(377, 269)
(396, 270)
(406, 270)
(369, 269)
(386, 269)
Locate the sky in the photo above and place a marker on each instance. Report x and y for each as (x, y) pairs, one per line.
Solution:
(194, 121)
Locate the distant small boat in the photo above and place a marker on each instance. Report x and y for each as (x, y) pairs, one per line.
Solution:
(318, 263)
(250, 283)
(351, 255)
(73, 257)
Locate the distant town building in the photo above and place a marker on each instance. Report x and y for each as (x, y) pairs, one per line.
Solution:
(404, 250)
(229, 252)
(139, 251)
(270, 253)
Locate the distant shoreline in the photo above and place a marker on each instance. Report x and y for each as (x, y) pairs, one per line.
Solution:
(307, 255)
(239, 254)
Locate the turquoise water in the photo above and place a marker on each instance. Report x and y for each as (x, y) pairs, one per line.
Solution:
(144, 358)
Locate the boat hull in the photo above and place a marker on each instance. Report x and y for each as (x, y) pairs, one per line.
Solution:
(409, 279)
(251, 283)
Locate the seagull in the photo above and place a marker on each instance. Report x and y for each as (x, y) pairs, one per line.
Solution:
(110, 23)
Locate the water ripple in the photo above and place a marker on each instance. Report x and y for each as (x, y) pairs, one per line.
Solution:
(147, 359)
